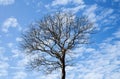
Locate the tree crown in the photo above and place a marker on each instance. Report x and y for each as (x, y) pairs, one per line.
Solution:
(52, 37)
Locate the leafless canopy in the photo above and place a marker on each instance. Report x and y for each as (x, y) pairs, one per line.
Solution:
(51, 38)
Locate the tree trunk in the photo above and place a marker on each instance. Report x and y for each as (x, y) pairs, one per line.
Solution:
(63, 67)
(63, 72)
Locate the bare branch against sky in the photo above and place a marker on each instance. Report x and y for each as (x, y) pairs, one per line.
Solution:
(51, 39)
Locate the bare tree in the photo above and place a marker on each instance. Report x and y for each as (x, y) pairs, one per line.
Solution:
(51, 39)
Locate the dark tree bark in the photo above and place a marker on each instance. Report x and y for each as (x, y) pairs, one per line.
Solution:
(49, 40)
(63, 70)
(63, 66)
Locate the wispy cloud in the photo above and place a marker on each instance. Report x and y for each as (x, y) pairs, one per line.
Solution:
(20, 75)
(74, 9)
(3, 63)
(3, 68)
(117, 34)
(6, 2)
(116, 0)
(90, 12)
(18, 39)
(104, 13)
(61, 5)
(65, 2)
(10, 45)
(101, 63)
(16, 52)
(58, 2)
(10, 22)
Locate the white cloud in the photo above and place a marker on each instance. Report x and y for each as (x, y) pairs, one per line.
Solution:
(115, 76)
(101, 1)
(73, 10)
(93, 76)
(6, 2)
(10, 45)
(20, 75)
(60, 2)
(2, 57)
(10, 22)
(3, 64)
(104, 13)
(117, 34)
(107, 28)
(90, 12)
(78, 1)
(100, 63)
(97, 64)
(16, 52)
(50, 76)
(54, 6)
(24, 61)
(116, 0)
(65, 2)
(3, 68)
(2, 50)
(18, 39)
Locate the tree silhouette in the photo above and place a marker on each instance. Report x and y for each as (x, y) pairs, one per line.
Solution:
(51, 39)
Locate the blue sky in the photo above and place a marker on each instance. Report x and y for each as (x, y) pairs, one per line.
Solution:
(100, 60)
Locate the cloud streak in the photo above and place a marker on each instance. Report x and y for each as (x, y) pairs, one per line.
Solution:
(6, 2)
(8, 23)
(65, 2)
(3, 63)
